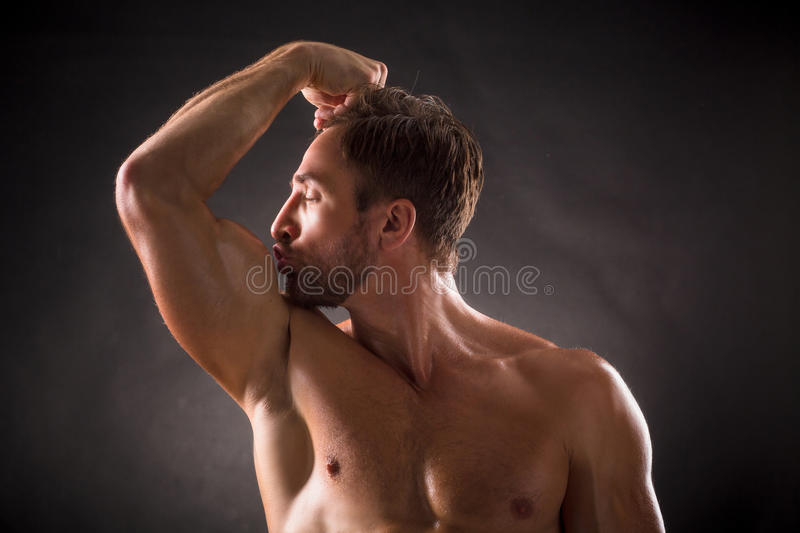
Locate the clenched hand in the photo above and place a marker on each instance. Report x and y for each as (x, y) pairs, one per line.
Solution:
(335, 74)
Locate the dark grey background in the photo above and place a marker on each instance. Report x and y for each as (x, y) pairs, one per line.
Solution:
(643, 158)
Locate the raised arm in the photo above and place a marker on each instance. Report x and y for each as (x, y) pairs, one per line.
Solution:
(197, 264)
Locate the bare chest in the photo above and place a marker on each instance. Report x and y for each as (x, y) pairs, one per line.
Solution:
(480, 458)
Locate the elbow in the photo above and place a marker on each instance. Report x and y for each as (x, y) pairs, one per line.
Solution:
(140, 187)
(137, 192)
(140, 171)
(126, 175)
(124, 183)
(129, 186)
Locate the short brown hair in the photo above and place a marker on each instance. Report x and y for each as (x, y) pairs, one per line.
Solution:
(412, 147)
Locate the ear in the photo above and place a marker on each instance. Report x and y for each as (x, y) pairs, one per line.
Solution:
(400, 216)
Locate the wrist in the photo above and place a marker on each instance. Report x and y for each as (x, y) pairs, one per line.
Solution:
(294, 59)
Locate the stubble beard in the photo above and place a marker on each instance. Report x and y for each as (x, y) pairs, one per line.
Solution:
(313, 285)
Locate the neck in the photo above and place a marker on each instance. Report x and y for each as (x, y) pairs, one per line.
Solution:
(414, 333)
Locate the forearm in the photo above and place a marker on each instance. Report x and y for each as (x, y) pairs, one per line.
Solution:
(198, 146)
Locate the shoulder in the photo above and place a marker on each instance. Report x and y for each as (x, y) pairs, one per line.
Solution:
(586, 373)
(578, 369)
(609, 449)
(597, 387)
(604, 436)
(596, 403)
(568, 367)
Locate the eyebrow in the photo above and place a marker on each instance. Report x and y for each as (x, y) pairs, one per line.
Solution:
(302, 178)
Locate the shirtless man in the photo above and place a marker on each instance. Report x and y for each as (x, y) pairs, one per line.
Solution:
(419, 413)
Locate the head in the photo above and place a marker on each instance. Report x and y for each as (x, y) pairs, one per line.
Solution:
(393, 170)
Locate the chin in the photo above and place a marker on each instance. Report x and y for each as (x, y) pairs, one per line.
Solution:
(321, 297)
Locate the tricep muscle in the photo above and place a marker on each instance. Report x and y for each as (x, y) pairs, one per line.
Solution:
(198, 267)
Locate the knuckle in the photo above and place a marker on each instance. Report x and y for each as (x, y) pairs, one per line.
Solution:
(380, 71)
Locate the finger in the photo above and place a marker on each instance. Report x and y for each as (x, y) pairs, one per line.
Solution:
(319, 98)
(339, 109)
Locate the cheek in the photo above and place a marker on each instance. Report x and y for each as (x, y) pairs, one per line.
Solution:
(330, 219)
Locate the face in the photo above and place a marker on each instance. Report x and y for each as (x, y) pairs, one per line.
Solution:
(323, 243)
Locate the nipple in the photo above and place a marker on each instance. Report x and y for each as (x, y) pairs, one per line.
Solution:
(521, 508)
(333, 467)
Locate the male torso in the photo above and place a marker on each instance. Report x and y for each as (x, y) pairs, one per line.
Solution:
(359, 449)
(454, 422)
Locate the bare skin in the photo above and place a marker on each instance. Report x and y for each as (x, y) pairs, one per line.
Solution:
(417, 414)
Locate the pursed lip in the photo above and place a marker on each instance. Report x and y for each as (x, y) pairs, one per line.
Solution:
(281, 258)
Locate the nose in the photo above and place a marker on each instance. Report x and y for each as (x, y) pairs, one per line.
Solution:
(284, 227)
